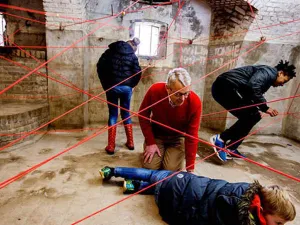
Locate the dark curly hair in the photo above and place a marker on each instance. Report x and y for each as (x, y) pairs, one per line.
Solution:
(289, 70)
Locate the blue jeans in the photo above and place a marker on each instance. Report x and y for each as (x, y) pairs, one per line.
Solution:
(145, 176)
(124, 94)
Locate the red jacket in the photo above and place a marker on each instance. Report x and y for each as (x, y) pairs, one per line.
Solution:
(185, 118)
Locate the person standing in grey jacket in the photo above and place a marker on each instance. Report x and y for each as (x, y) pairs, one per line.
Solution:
(242, 87)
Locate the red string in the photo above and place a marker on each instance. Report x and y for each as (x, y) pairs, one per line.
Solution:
(51, 59)
(254, 15)
(173, 174)
(88, 138)
(7, 182)
(17, 140)
(188, 65)
(36, 11)
(76, 88)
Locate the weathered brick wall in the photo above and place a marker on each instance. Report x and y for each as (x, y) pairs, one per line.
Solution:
(275, 18)
(281, 13)
(32, 89)
(61, 14)
(231, 19)
(27, 32)
(18, 119)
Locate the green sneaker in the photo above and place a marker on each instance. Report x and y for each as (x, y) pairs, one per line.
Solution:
(129, 187)
(106, 172)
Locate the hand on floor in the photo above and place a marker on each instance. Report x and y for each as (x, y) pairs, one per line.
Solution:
(149, 152)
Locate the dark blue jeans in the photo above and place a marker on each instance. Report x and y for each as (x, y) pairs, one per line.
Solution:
(124, 94)
(145, 176)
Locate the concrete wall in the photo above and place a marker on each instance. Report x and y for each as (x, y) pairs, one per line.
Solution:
(278, 46)
(268, 14)
(195, 19)
(70, 64)
(198, 20)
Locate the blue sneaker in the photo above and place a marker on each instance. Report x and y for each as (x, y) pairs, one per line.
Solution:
(235, 151)
(215, 140)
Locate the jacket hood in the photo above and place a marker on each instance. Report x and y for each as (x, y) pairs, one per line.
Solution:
(244, 204)
(272, 70)
(121, 47)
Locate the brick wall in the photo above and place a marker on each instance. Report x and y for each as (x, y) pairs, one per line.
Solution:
(231, 19)
(282, 12)
(62, 13)
(32, 89)
(18, 119)
(25, 28)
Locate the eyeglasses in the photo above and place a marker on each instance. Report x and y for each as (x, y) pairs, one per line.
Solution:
(179, 95)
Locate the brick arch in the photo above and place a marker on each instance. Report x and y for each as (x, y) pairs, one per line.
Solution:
(230, 17)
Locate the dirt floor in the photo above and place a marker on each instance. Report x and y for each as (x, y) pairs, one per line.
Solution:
(68, 188)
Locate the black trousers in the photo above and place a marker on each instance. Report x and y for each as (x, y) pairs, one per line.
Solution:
(227, 95)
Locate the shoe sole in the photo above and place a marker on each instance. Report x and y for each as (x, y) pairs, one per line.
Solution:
(236, 157)
(229, 157)
(129, 147)
(101, 174)
(212, 141)
(109, 152)
(124, 187)
(240, 158)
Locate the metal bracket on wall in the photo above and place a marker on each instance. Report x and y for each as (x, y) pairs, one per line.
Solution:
(61, 27)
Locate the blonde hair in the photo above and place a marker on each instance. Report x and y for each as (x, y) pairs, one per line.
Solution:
(276, 201)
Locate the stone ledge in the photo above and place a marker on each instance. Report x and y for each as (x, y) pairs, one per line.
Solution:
(16, 119)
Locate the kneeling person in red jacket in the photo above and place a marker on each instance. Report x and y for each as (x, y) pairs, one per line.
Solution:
(175, 105)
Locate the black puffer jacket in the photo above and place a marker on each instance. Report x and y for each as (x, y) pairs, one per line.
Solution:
(187, 199)
(118, 63)
(252, 81)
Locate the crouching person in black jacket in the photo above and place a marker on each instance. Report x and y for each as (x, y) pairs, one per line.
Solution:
(239, 88)
(187, 199)
(119, 71)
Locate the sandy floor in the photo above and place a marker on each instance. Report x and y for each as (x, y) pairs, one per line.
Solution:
(68, 188)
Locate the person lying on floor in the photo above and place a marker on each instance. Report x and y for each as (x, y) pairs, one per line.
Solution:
(187, 199)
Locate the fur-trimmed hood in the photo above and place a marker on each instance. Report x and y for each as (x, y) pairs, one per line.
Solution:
(244, 204)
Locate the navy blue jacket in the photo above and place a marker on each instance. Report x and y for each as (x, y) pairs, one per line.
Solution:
(187, 199)
(118, 63)
(252, 81)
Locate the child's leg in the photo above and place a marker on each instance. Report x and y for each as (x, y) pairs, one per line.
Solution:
(134, 173)
(155, 177)
(139, 178)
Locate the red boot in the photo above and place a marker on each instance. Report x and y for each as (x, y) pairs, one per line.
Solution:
(128, 129)
(110, 148)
